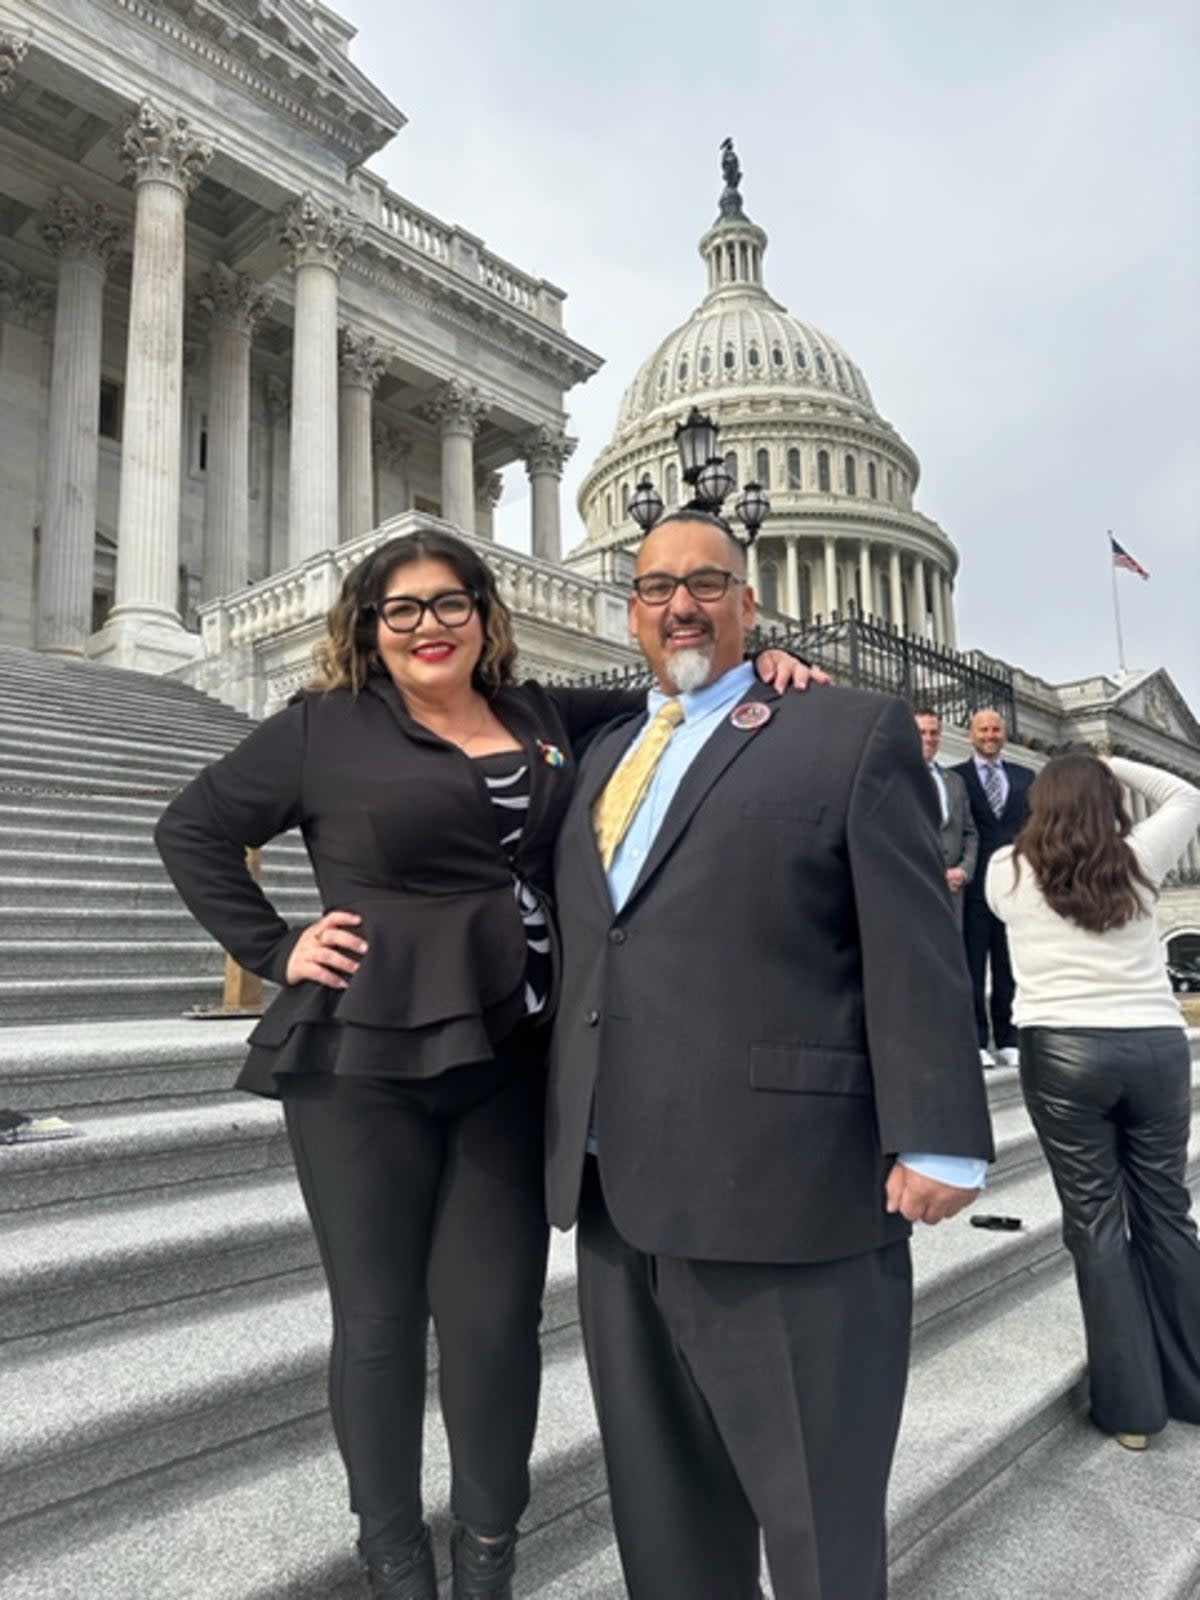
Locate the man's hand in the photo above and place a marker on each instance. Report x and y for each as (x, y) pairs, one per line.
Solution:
(956, 878)
(921, 1199)
(785, 671)
(326, 950)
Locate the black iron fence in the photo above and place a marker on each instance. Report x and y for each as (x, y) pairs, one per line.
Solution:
(866, 653)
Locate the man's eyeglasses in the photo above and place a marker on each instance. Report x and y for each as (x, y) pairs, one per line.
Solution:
(403, 613)
(706, 583)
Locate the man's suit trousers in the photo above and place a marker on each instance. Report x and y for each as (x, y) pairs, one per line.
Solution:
(986, 940)
(736, 1396)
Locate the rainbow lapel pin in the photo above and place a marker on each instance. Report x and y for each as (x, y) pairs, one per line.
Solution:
(550, 753)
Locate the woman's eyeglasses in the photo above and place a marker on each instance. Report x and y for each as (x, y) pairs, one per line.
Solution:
(403, 613)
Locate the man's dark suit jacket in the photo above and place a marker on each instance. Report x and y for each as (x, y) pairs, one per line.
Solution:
(780, 1006)
(994, 830)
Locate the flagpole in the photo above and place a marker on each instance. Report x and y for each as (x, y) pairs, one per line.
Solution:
(1112, 567)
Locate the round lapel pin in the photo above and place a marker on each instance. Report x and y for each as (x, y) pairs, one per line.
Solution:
(750, 714)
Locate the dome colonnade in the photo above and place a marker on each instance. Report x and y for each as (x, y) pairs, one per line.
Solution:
(797, 417)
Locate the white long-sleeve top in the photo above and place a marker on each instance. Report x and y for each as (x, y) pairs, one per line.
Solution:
(1068, 977)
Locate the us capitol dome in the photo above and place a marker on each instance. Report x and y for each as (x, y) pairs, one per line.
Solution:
(797, 417)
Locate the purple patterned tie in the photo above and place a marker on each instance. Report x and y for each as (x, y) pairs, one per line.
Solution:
(993, 787)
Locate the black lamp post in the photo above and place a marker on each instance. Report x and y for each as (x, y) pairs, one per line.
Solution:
(711, 482)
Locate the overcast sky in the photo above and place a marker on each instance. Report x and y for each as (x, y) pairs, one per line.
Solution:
(992, 206)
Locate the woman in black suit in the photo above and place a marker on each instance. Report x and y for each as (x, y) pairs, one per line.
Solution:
(407, 1042)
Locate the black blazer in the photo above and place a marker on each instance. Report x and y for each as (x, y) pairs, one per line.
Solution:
(399, 828)
(994, 831)
(781, 1005)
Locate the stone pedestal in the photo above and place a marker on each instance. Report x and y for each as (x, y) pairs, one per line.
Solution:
(545, 452)
(457, 408)
(362, 362)
(143, 629)
(320, 238)
(234, 305)
(84, 237)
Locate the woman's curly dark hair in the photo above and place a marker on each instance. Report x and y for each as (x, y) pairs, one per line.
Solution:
(346, 657)
(1075, 841)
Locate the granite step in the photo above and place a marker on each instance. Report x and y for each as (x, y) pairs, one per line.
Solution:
(47, 735)
(57, 721)
(70, 1068)
(49, 959)
(292, 867)
(21, 888)
(122, 1153)
(41, 841)
(59, 1000)
(19, 761)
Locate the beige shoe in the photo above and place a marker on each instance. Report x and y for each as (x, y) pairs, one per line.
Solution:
(1132, 1441)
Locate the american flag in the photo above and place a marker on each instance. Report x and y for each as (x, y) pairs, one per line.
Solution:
(1122, 558)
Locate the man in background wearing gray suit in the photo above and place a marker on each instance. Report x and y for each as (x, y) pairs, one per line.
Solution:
(960, 837)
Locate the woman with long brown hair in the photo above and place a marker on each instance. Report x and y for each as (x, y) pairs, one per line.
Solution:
(407, 1042)
(1106, 1072)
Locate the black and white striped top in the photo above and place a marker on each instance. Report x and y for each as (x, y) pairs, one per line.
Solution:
(506, 775)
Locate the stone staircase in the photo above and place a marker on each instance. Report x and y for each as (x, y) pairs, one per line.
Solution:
(163, 1323)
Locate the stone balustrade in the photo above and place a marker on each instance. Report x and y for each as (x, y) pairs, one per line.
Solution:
(457, 250)
(257, 643)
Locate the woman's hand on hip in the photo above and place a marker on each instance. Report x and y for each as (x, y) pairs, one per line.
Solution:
(328, 951)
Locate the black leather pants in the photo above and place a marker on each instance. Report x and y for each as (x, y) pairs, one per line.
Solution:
(1112, 1108)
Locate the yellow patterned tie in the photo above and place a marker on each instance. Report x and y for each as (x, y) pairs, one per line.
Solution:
(626, 789)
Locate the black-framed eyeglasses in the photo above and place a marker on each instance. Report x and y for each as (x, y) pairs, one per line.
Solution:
(403, 613)
(706, 583)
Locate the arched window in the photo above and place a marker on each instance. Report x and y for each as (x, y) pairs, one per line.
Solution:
(821, 366)
(793, 469)
(891, 486)
(752, 356)
(683, 369)
(872, 481)
(801, 358)
(823, 471)
(671, 494)
(762, 468)
(850, 469)
(662, 377)
(705, 363)
(624, 499)
(731, 465)
(768, 585)
(728, 359)
(608, 504)
(777, 357)
(837, 367)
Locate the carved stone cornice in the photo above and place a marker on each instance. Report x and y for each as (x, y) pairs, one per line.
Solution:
(232, 299)
(278, 395)
(547, 450)
(456, 408)
(489, 486)
(12, 53)
(158, 148)
(318, 235)
(391, 449)
(76, 229)
(25, 301)
(362, 360)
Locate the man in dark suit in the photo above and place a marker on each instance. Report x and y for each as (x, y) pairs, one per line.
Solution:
(999, 794)
(960, 837)
(747, 1104)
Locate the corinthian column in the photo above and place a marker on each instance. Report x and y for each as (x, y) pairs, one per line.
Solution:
(916, 599)
(362, 363)
(166, 161)
(456, 409)
(320, 240)
(895, 593)
(234, 305)
(831, 583)
(545, 452)
(84, 238)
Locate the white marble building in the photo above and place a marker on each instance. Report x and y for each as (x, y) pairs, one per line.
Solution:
(796, 417)
(226, 347)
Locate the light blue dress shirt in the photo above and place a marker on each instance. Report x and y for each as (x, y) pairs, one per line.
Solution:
(703, 711)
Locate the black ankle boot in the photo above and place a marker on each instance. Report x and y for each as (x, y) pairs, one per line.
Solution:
(404, 1572)
(482, 1570)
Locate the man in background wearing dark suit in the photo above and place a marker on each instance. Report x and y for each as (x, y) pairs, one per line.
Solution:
(747, 1104)
(999, 794)
(960, 838)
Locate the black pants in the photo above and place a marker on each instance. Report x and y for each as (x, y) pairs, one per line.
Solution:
(735, 1396)
(986, 940)
(427, 1197)
(1112, 1108)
